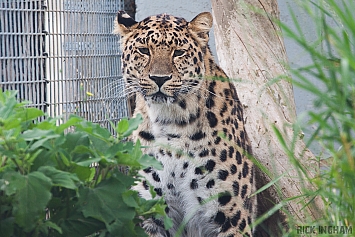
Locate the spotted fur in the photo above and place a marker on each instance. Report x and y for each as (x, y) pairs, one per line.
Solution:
(193, 124)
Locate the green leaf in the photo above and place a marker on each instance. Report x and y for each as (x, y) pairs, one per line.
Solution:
(7, 227)
(129, 198)
(60, 178)
(168, 223)
(31, 200)
(126, 159)
(83, 173)
(50, 225)
(105, 203)
(12, 183)
(72, 121)
(87, 163)
(122, 126)
(75, 139)
(36, 134)
(44, 142)
(30, 114)
(78, 226)
(149, 161)
(133, 124)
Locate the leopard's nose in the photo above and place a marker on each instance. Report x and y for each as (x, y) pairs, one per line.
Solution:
(160, 80)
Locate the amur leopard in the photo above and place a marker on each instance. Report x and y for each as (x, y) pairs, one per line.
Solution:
(193, 124)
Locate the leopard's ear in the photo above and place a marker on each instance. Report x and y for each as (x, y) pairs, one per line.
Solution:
(123, 23)
(201, 25)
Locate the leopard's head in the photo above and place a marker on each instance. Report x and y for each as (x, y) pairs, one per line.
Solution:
(163, 55)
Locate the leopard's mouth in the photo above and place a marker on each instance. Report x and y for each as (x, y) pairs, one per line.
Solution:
(160, 97)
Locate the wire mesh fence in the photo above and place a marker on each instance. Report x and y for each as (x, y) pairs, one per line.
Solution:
(62, 56)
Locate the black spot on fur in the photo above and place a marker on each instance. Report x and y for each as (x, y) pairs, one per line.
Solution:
(236, 188)
(210, 183)
(146, 135)
(210, 102)
(223, 174)
(182, 104)
(212, 120)
(194, 184)
(234, 111)
(238, 157)
(242, 225)
(236, 124)
(245, 169)
(217, 140)
(145, 185)
(231, 151)
(186, 164)
(235, 218)
(156, 177)
(226, 226)
(173, 135)
(223, 155)
(204, 152)
(181, 122)
(220, 218)
(210, 165)
(226, 92)
(198, 170)
(148, 170)
(233, 169)
(224, 198)
(170, 186)
(198, 136)
(158, 191)
(244, 190)
(158, 222)
(213, 151)
(200, 200)
(223, 110)
(200, 56)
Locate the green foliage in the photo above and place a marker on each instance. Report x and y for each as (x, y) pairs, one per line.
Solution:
(59, 183)
(333, 87)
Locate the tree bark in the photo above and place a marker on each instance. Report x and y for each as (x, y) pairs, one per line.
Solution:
(250, 49)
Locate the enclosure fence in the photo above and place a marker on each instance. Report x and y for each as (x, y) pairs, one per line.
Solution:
(62, 56)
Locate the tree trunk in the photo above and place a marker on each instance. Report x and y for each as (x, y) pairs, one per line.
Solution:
(251, 50)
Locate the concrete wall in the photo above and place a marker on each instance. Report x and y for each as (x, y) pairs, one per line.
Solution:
(296, 57)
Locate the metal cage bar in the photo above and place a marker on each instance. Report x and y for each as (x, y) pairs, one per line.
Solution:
(62, 56)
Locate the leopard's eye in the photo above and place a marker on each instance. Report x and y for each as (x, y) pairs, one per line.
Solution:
(144, 51)
(178, 53)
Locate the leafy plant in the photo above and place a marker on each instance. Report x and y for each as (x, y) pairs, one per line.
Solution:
(59, 183)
